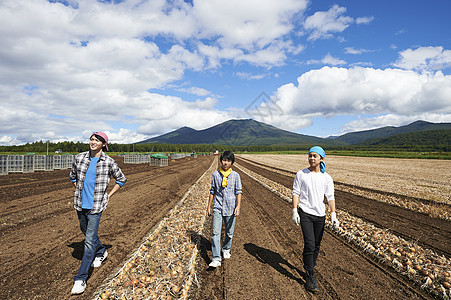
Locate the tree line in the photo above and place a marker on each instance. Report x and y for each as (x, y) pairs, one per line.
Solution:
(76, 147)
(441, 144)
(431, 140)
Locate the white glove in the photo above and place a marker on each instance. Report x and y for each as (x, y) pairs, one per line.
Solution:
(334, 220)
(295, 218)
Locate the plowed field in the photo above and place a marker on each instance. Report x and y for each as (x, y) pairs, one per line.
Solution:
(40, 240)
(266, 258)
(41, 244)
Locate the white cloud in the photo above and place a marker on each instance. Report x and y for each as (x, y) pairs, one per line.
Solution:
(351, 50)
(152, 113)
(274, 54)
(66, 69)
(330, 60)
(365, 91)
(88, 65)
(157, 113)
(124, 136)
(323, 24)
(215, 54)
(327, 60)
(393, 120)
(246, 24)
(207, 103)
(250, 76)
(28, 126)
(424, 58)
(114, 36)
(361, 64)
(401, 31)
(290, 122)
(7, 141)
(364, 20)
(195, 91)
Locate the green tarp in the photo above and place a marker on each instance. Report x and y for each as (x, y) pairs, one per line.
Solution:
(159, 156)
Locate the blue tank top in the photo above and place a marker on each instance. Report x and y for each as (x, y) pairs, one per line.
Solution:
(87, 195)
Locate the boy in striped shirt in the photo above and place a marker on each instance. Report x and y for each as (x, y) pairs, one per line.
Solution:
(225, 195)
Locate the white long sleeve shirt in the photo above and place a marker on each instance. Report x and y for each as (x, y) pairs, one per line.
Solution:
(311, 188)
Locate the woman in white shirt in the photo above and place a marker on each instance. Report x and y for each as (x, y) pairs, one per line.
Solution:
(310, 187)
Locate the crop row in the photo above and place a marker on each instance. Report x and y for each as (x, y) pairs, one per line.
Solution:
(418, 178)
(423, 266)
(163, 267)
(436, 210)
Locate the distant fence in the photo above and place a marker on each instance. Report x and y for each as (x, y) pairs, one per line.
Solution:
(136, 158)
(178, 155)
(156, 159)
(32, 163)
(159, 162)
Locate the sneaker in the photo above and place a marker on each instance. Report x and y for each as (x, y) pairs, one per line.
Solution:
(215, 263)
(311, 284)
(99, 259)
(79, 287)
(226, 253)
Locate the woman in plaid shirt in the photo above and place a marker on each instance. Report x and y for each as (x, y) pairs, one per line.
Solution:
(90, 174)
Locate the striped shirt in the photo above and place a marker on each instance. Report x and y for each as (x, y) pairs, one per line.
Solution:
(106, 167)
(225, 197)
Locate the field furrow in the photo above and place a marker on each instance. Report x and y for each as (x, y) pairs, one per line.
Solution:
(40, 255)
(418, 178)
(158, 238)
(266, 259)
(421, 265)
(432, 208)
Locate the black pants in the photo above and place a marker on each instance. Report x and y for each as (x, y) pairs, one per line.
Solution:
(312, 230)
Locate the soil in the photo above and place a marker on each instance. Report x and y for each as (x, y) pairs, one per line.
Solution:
(41, 244)
(432, 233)
(266, 260)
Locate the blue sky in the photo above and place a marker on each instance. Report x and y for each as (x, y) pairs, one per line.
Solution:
(137, 69)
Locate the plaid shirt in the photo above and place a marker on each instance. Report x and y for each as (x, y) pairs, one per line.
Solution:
(225, 198)
(106, 167)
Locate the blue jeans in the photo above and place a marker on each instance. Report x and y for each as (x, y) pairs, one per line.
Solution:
(89, 225)
(312, 230)
(229, 224)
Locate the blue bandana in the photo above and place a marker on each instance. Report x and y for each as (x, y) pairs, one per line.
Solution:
(322, 153)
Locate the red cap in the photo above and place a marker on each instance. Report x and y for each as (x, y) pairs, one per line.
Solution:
(103, 136)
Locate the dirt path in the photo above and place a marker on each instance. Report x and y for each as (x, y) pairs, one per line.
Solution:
(266, 260)
(432, 233)
(41, 244)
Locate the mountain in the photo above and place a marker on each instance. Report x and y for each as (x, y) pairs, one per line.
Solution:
(434, 139)
(250, 132)
(242, 132)
(384, 132)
